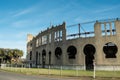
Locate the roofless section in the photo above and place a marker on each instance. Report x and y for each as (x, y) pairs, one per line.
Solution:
(61, 33)
(86, 29)
(80, 30)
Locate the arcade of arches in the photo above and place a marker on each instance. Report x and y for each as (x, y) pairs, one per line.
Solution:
(110, 50)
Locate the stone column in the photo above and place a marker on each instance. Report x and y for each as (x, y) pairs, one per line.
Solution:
(64, 32)
(59, 35)
(98, 36)
(52, 46)
(34, 52)
(47, 38)
(105, 27)
(64, 43)
(110, 28)
(117, 26)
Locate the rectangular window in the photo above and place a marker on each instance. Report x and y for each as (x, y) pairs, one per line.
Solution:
(108, 29)
(44, 40)
(113, 29)
(49, 38)
(103, 29)
(58, 35)
(37, 43)
(55, 36)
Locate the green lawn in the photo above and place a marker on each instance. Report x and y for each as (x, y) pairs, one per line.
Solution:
(35, 71)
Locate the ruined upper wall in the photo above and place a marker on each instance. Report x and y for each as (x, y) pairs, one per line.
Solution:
(107, 28)
(52, 29)
(58, 33)
(51, 35)
(29, 37)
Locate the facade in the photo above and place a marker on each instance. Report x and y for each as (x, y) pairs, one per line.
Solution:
(52, 47)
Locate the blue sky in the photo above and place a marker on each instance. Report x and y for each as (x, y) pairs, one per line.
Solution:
(20, 17)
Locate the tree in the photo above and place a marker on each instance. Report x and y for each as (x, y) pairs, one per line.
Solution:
(10, 55)
(17, 53)
(1, 52)
(7, 55)
(2, 55)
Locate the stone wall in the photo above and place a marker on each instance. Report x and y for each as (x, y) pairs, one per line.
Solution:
(55, 38)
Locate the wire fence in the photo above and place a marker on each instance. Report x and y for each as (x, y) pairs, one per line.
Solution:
(60, 71)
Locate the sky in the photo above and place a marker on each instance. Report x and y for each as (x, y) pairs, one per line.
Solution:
(21, 17)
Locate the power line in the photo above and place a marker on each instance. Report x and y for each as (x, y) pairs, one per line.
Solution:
(81, 23)
(102, 20)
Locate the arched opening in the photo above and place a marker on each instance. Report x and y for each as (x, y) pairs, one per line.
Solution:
(39, 59)
(58, 52)
(89, 51)
(30, 58)
(43, 58)
(71, 52)
(36, 58)
(50, 58)
(30, 55)
(110, 50)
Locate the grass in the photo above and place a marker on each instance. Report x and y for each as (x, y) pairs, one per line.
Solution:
(57, 72)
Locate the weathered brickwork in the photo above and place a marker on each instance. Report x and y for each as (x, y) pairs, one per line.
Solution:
(51, 47)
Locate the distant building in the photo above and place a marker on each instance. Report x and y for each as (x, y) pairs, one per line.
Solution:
(52, 47)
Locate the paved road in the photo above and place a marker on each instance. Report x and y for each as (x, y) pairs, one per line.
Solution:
(16, 76)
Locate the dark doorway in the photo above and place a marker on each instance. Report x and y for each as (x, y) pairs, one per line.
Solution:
(43, 58)
(49, 58)
(89, 51)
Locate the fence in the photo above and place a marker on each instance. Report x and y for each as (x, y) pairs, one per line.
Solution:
(59, 71)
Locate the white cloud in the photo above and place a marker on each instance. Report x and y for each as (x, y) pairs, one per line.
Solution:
(25, 11)
(24, 23)
(110, 8)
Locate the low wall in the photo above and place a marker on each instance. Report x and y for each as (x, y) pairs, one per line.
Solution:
(108, 68)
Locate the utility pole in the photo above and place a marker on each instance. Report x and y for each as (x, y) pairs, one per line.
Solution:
(79, 30)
